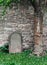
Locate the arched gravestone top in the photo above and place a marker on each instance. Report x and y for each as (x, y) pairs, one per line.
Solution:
(15, 45)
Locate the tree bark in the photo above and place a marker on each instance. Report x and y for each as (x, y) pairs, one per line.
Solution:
(38, 32)
(38, 28)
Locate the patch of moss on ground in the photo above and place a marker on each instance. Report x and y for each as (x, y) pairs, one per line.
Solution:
(22, 59)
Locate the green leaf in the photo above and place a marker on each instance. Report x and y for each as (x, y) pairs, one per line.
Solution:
(8, 1)
(1, 1)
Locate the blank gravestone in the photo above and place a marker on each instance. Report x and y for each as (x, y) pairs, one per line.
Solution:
(15, 45)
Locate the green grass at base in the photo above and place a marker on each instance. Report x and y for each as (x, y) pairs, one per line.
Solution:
(22, 59)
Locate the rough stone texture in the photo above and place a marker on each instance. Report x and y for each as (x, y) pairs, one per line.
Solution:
(15, 45)
(45, 30)
(21, 19)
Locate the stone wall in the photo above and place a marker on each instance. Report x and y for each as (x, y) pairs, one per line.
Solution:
(20, 20)
(45, 29)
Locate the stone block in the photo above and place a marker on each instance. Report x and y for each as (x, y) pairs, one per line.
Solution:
(15, 45)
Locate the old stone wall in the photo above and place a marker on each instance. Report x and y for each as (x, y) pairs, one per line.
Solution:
(20, 20)
(45, 29)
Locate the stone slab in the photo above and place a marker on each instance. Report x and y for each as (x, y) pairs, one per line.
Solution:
(15, 45)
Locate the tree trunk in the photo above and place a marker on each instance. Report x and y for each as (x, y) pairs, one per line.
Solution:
(38, 30)
(38, 27)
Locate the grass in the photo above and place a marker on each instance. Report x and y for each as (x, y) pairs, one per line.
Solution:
(22, 59)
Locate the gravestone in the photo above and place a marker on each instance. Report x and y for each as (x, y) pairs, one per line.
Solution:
(15, 45)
